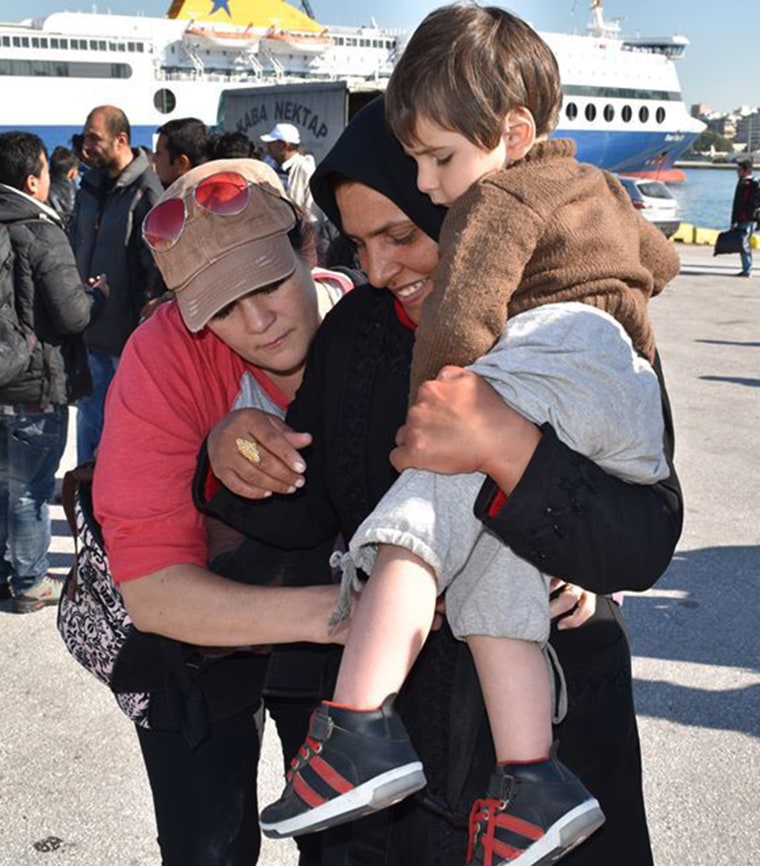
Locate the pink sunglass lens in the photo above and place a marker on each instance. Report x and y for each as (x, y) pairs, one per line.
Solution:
(225, 194)
(164, 224)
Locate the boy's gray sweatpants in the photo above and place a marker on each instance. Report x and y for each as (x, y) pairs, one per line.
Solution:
(567, 364)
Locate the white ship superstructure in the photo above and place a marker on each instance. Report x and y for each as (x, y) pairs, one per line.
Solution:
(622, 99)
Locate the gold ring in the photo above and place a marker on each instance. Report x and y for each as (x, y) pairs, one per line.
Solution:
(249, 448)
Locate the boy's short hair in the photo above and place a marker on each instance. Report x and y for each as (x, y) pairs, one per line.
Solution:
(465, 68)
(62, 160)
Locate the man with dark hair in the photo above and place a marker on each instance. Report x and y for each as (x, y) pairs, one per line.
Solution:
(232, 145)
(54, 308)
(743, 211)
(181, 145)
(117, 192)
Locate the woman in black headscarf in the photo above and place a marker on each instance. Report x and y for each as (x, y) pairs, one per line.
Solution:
(563, 514)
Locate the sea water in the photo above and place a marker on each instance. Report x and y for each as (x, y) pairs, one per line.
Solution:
(705, 197)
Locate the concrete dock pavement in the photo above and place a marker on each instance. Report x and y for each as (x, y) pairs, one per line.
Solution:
(72, 789)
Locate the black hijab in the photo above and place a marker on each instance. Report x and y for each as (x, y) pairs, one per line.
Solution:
(367, 152)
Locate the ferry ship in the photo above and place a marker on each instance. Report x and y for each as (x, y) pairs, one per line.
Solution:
(622, 99)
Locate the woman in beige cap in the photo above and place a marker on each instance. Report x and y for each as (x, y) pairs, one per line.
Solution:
(236, 254)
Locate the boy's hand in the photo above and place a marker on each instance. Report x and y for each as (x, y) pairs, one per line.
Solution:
(279, 468)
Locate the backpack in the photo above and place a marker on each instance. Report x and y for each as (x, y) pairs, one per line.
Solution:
(16, 341)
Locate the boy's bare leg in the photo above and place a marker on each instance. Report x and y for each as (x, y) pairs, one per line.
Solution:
(517, 694)
(388, 628)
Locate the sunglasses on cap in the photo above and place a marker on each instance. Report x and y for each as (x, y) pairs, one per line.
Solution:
(224, 194)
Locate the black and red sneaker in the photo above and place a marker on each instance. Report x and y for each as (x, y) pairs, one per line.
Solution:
(533, 815)
(353, 762)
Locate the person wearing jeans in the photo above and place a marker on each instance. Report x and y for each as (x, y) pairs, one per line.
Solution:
(745, 205)
(32, 442)
(54, 308)
(90, 409)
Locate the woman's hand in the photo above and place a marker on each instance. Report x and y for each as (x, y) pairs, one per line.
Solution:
(570, 606)
(460, 424)
(279, 468)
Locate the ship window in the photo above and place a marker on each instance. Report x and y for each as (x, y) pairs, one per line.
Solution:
(64, 43)
(571, 111)
(131, 47)
(101, 44)
(60, 69)
(660, 115)
(164, 101)
(43, 43)
(112, 46)
(6, 41)
(140, 47)
(121, 47)
(35, 42)
(93, 44)
(590, 111)
(643, 114)
(609, 113)
(24, 41)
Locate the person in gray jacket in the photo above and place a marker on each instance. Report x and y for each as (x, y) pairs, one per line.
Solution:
(105, 232)
(55, 308)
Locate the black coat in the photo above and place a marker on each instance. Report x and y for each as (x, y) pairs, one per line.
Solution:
(51, 301)
(566, 516)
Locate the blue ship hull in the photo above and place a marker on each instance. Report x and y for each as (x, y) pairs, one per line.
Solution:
(629, 152)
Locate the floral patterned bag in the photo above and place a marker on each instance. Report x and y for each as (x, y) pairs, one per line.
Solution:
(92, 619)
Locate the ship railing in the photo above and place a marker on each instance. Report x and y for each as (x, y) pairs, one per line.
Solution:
(177, 74)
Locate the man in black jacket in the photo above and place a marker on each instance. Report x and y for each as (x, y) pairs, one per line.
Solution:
(745, 204)
(55, 307)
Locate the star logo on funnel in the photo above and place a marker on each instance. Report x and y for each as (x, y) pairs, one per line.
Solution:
(222, 4)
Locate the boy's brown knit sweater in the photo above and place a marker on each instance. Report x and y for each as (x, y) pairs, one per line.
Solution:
(543, 230)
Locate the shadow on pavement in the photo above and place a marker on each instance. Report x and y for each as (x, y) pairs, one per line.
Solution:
(734, 380)
(703, 612)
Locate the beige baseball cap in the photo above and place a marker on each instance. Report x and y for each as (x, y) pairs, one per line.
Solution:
(218, 259)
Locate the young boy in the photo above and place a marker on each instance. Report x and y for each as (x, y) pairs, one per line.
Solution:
(528, 228)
